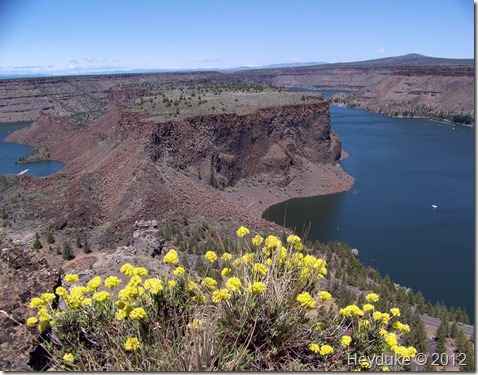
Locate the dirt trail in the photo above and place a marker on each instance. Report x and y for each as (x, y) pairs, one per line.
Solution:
(83, 261)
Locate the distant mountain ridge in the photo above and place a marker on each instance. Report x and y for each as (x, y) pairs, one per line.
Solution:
(412, 59)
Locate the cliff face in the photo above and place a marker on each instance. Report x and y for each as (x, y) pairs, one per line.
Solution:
(122, 168)
(223, 149)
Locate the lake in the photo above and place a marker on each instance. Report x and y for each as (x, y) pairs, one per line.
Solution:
(401, 168)
(12, 152)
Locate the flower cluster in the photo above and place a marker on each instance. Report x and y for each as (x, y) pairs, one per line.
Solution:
(276, 282)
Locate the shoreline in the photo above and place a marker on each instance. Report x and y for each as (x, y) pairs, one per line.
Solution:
(259, 193)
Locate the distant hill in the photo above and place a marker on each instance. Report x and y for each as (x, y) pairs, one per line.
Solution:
(412, 59)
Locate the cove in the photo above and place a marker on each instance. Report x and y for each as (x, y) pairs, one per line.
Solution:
(401, 168)
(12, 152)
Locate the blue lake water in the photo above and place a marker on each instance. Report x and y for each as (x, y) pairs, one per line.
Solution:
(401, 168)
(12, 152)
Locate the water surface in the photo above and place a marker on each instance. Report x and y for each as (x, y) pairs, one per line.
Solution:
(10, 154)
(401, 168)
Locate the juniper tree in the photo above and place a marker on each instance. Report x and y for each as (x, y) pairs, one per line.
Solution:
(37, 244)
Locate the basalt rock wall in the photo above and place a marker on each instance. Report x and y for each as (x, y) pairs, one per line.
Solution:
(222, 149)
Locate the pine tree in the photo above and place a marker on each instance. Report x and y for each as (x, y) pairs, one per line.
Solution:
(37, 244)
(50, 238)
(78, 241)
(67, 253)
(441, 338)
(86, 247)
(418, 335)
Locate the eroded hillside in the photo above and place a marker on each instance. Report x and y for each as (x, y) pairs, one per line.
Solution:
(125, 166)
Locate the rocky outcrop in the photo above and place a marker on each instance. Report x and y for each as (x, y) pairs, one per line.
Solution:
(224, 149)
(122, 95)
(24, 274)
(123, 167)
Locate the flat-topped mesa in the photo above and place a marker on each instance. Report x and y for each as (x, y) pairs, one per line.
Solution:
(222, 149)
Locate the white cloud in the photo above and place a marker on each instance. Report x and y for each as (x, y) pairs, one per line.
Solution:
(381, 50)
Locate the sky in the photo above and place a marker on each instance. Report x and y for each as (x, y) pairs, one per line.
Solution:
(88, 36)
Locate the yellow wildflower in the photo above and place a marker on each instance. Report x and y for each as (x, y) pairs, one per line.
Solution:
(93, 284)
(403, 328)
(153, 285)
(32, 321)
(385, 368)
(112, 282)
(234, 284)
(199, 298)
(297, 258)
(86, 302)
(101, 296)
(137, 313)
(309, 261)
(140, 271)
(47, 297)
(132, 343)
(226, 257)
(313, 347)
(171, 257)
(60, 291)
(68, 357)
(226, 271)
(385, 318)
(256, 287)
(383, 332)
(191, 285)
(245, 259)
(372, 297)
(209, 283)
(179, 271)
(272, 242)
(242, 231)
(127, 269)
(325, 296)
(282, 253)
(377, 315)
(220, 295)
(403, 351)
(210, 256)
(72, 278)
(257, 240)
(346, 340)
(135, 280)
(121, 315)
(351, 310)
(36, 303)
(43, 325)
(368, 307)
(295, 241)
(395, 311)
(391, 340)
(171, 284)
(259, 268)
(364, 323)
(319, 326)
(326, 350)
(306, 300)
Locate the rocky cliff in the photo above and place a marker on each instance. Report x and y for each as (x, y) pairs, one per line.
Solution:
(122, 167)
(224, 149)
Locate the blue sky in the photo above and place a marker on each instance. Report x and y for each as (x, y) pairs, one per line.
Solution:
(77, 36)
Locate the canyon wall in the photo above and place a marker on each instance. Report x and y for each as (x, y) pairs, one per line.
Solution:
(222, 149)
